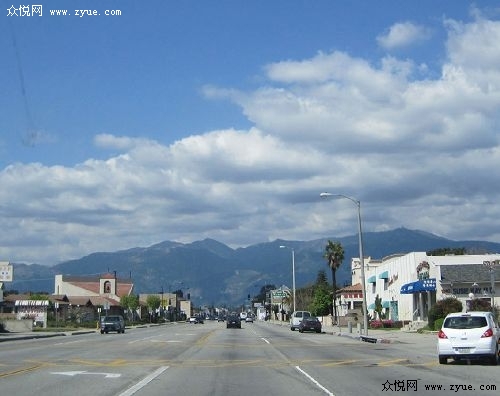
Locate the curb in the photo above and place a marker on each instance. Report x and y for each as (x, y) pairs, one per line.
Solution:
(371, 340)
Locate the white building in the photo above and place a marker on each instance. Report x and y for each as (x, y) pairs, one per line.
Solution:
(408, 285)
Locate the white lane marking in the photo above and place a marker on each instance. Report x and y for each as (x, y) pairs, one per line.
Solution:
(73, 373)
(69, 342)
(141, 339)
(141, 384)
(266, 341)
(315, 382)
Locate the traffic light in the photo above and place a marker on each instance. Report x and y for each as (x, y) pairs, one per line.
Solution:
(249, 297)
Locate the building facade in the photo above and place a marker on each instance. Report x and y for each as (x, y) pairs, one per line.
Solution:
(408, 285)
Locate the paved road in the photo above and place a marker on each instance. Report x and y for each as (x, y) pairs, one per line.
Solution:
(261, 358)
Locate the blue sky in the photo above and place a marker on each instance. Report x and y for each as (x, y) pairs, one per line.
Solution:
(226, 119)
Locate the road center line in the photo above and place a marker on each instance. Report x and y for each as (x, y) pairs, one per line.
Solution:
(314, 381)
(141, 384)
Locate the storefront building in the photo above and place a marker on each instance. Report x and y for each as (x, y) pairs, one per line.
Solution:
(408, 285)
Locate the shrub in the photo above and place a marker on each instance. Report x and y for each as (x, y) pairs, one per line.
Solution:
(443, 308)
(479, 304)
(376, 324)
(438, 323)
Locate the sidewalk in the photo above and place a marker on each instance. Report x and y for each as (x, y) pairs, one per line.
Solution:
(383, 336)
(46, 334)
(41, 334)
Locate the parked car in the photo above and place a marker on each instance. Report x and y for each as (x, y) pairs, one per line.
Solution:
(243, 315)
(233, 321)
(310, 324)
(195, 319)
(472, 335)
(249, 319)
(112, 323)
(297, 317)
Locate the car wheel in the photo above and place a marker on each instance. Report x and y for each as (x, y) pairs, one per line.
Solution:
(494, 358)
(301, 331)
(443, 360)
(292, 328)
(102, 332)
(318, 331)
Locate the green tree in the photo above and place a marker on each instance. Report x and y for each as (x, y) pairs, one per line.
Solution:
(39, 296)
(334, 255)
(153, 302)
(130, 304)
(447, 251)
(378, 307)
(321, 295)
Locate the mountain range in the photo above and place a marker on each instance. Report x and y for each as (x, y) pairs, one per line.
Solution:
(213, 273)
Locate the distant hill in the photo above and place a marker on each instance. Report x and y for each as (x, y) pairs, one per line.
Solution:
(213, 273)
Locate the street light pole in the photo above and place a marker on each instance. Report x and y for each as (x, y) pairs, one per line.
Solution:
(361, 257)
(491, 268)
(293, 272)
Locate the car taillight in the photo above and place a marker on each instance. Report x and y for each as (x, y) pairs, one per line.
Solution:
(442, 335)
(487, 333)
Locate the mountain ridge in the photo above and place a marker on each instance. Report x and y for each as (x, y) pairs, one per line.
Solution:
(214, 273)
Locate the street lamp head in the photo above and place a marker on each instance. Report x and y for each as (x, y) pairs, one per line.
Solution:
(325, 195)
(282, 246)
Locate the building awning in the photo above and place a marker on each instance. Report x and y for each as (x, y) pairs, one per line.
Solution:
(371, 306)
(386, 304)
(419, 286)
(384, 275)
(372, 279)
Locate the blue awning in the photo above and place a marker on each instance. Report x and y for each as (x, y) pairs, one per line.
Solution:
(419, 286)
(384, 275)
(386, 304)
(371, 306)
(372, 279)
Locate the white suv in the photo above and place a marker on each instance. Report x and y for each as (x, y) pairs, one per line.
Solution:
(472, 335)
(297, 317)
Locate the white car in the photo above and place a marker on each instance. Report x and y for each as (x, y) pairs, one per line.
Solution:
(297, 317)
(472, 335)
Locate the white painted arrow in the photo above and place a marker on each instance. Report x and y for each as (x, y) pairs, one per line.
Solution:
(73, 373)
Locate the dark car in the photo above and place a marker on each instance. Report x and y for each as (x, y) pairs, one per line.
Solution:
(112, 323)
(233, 321)
(310, 324)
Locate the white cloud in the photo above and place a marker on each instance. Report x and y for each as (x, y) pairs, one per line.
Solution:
(421, 153)
(403, 34)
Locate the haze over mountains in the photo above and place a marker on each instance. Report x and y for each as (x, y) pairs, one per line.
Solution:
(213, 273)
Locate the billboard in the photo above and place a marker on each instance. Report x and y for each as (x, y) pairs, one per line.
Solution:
(6, 271)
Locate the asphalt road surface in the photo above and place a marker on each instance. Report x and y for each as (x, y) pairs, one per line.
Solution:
(259, 359)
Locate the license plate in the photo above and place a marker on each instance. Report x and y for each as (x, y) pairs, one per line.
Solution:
(463, 350)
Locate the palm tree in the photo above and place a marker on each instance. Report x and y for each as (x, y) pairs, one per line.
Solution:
(334, 255)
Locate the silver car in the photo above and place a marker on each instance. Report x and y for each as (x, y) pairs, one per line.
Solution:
(472, 335)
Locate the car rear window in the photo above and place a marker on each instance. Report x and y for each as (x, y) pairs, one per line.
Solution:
(465, 322)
